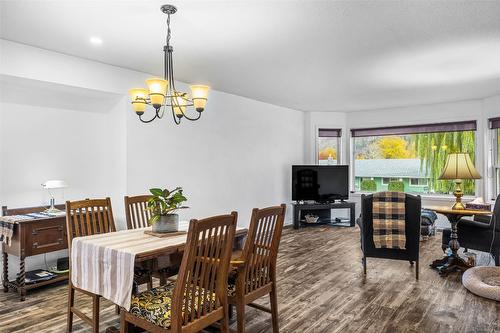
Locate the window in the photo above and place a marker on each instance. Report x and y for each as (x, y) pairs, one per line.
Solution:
(495, 127)
(328, 146)
(419, 181)
(411, 156)
(386, 181)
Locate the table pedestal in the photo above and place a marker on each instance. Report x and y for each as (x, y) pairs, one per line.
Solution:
(453, 262)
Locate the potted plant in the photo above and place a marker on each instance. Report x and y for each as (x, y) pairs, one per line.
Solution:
(164, 205)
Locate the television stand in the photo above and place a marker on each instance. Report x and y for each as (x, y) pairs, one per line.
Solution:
(324, 211)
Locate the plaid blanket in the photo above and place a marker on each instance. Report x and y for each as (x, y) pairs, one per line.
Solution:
(6, 230)
(389, 220)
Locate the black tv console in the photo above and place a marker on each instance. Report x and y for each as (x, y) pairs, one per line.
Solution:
(324, 211)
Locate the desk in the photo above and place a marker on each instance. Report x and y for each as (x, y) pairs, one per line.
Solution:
(453, 262)
(32, 237)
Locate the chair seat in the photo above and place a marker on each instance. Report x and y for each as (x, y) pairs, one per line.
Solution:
(155, 305)
(231, 282)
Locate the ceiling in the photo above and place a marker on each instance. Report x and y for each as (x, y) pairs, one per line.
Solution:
(305, 55)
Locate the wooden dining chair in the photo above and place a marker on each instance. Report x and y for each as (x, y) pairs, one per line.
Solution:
(137, 216)
(84, 218)
(136, 211)
(254, 274)
(198, 298)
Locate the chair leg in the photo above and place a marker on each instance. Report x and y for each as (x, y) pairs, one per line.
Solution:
(150, 282)
(274, 308)
(240, 317)
(71, 303)
(411, 263)
(364, 265)
(224, 328)
(417, 268)
(95, 314)
(124, 325)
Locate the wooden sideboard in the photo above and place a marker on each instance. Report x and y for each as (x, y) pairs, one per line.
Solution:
(33, 237)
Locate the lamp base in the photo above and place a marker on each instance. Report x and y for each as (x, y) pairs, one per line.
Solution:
(52, 210)
(458, 193)
(458, 206)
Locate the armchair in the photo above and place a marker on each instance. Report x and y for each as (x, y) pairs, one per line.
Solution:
(478, 233)
(412, 232)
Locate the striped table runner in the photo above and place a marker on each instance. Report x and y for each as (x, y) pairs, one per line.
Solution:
(104, 264)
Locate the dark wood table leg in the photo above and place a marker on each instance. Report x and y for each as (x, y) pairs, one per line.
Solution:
(21, 281)
(5, 275)
(453, 262)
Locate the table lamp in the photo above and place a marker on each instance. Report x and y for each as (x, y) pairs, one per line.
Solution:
(50, 185)
(458, 167)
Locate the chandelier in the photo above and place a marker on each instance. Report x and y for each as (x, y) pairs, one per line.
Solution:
(162, 94)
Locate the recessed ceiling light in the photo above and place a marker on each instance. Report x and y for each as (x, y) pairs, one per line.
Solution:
(96, 40)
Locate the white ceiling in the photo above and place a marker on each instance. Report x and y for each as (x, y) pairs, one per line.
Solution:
(306, 55)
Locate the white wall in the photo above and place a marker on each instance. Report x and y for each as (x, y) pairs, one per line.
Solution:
(238, 156)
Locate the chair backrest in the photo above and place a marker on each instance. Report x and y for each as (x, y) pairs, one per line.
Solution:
(413, 208)
(495, 218)
(201, 286)
(261, 248)
(136, 211)
(89, 217)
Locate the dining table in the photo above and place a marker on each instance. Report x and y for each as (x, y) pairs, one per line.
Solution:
(103, 264)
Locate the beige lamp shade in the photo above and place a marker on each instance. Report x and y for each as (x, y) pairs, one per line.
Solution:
(157, 90)
(50, 184)
(459, 166)
(179, 103)
(199, 94)
(138, 97)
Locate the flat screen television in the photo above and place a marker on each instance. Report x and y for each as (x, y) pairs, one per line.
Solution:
(322, 183)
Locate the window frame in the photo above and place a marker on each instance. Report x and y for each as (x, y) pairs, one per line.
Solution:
(494, 163)
(391, 179)
(339, 143)
(418, 179)
(438, 196)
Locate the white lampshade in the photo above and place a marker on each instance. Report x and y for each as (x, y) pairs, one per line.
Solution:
(49, 184)
(459, 166)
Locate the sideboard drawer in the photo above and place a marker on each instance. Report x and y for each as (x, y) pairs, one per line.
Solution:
(47, 236)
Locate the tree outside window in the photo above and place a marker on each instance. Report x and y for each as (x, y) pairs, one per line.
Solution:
(414, 159)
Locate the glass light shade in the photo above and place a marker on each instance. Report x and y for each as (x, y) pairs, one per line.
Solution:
(138, 93)
(459, 166)
(138, 97)
(179, 103)
(157, 90)
(199, 94)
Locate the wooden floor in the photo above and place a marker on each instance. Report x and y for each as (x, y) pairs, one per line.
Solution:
(321, 289)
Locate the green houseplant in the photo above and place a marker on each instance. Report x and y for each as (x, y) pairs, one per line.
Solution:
(164, 204)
